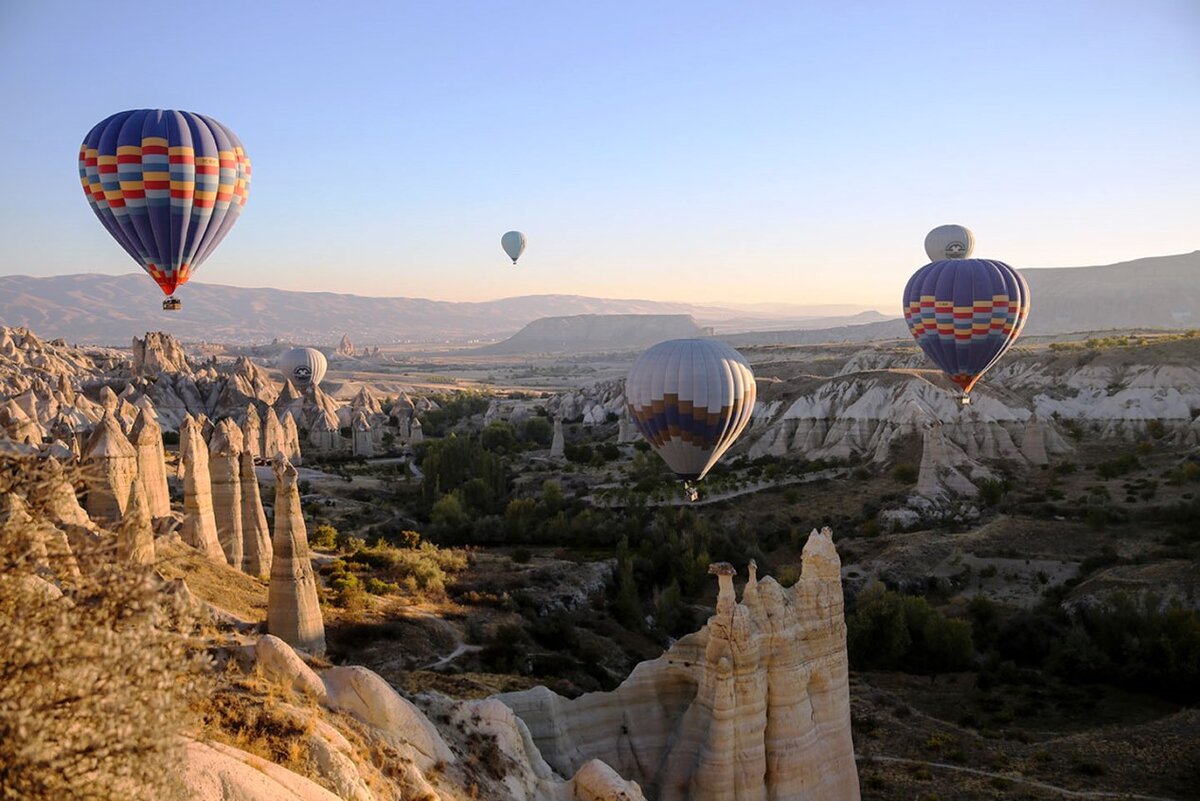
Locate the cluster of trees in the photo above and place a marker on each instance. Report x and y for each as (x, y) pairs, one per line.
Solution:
(1138, 643)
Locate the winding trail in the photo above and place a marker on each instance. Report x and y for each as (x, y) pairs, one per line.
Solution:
(1010, 778)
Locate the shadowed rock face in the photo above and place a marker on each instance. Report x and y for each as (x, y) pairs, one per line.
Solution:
(152, 461)
(223, 451)
(252, 433)
(110, 467)
(199, 523)
(256, 536)
(753, 706)
(135, 535)
(293, 612)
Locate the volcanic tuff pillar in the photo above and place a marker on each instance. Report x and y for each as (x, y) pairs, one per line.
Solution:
(135, 535)
(273, 444)
(252, 432)
(152, 462)
(256, 537)
(199, 525)
(223, 451)
(293, 612)
(556, 445)
(110, 465)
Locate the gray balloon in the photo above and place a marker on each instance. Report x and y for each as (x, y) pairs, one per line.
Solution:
(514, 244)
(949, 242)
(304, 367)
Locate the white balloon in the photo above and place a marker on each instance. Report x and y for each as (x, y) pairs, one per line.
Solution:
(949, 242)
(691, 399)
(514, 244)
(304, 367)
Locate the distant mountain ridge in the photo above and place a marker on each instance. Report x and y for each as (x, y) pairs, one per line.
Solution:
(110, 309)
(588, 333)
(1156, 292)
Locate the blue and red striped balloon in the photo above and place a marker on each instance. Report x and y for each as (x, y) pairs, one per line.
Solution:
(965, 314)
(168, 185)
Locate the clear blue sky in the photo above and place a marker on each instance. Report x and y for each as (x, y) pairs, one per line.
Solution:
(765, 151)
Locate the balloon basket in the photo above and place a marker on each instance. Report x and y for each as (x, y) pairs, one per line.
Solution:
(965, 400)
(172, 304)
(690, 492)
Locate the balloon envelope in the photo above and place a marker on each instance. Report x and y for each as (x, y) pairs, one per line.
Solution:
(514, 244)
(690, 399)
(304, 367)
(965, 314)
(949, 242)
(167, 185)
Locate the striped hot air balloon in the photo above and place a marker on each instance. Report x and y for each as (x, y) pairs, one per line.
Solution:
(304, 367)
(965, 314)
(690, 399)
(168, 185)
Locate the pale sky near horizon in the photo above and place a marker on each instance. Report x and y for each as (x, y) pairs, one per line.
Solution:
(693, 151)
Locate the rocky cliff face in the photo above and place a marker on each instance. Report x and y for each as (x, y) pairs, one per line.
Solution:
(753, 706)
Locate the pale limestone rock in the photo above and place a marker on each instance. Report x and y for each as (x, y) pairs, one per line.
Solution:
(218, 772)
(291, 440)
(273, 444)
(151, 460)
(363, 442)
(256, 536)
(372, 700)
(753, 706)
(293, 611)
(224, 450)
(110, 465)
(596, 781)
(416, 434)
(252, 432)
(626, 430)
(323, 434)
(158, 353)
(557, 444)
(345, 347)
(199, 527)
(135, 535)
(280, 663)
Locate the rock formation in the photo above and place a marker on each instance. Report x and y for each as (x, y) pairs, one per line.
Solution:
(110, 464)
(360, 429)
(291, 440)
(158, 353)
(626, 430)
(753, 706)
(199, 527)
(273, 439)
(345, 347)
(252, 432)
(151, 461)
(224, 452)
(135, 535)
(557, 444)
(256, 537)
(293, 611)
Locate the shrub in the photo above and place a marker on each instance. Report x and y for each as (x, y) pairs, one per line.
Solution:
(522, 556)
(323, 536)
(905, 473)
(95, 684)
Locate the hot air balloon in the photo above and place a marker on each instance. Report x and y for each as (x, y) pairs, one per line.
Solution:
(965, 314)
(949, 242)
(514, 244)
(304, 367)
(690, 399)
(168, 185)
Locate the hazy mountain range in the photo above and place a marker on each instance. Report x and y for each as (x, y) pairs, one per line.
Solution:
(107, 309)
(1158, 292)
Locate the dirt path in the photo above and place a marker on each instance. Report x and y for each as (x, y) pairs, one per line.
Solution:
(1009, 777)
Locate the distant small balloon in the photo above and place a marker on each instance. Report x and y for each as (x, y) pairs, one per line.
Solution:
(949, 242)
(514, 244)
(304, 367)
